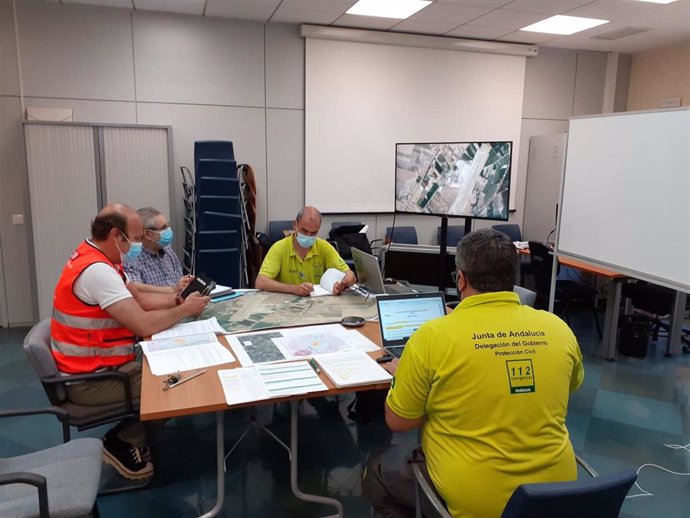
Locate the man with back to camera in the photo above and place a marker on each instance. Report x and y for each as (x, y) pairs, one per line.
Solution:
(96, 321)
(157, 264)
(489, 385)
(295, 263)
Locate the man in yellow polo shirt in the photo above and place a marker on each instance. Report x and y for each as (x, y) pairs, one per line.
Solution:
(294, 264)
(489, 385)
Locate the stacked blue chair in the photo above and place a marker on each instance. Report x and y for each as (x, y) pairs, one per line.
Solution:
(220, 239)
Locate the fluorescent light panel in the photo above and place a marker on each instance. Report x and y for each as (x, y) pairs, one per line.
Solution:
(657, 1)
(564, 25)
(399, 9)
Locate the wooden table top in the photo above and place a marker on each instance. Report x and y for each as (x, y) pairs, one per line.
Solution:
(205, 394)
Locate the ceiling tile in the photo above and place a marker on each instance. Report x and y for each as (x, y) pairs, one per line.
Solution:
(449, 13)
(615, 9)
(320, 5)
(493, 4)
(247, 10)
(546, 6)
(508, 19)
(475, 31)
(295, 15)
(424, 27)
(172, 6)
(127, 4)
(533, 38)
(365, 22)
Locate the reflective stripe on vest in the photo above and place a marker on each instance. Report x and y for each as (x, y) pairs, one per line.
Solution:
(85, 323)
(80, 350)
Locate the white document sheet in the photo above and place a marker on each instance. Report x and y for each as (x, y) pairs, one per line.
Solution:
(350, 368)
(185, 353)
(197, 327)
(328, 279)
(290, 378)
(242, 385)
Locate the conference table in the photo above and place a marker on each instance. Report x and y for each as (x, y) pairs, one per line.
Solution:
(204, 394)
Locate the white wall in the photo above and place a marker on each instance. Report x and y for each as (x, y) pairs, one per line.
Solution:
(208, 78)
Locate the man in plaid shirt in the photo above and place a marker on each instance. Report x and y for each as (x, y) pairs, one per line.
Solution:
(157, 265)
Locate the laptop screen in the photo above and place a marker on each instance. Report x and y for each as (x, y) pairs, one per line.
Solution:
(402, 315)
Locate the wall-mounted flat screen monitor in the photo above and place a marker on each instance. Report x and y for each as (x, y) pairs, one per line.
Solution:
(464, 179)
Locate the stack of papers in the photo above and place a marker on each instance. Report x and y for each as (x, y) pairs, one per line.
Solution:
(261, 382)
(184, 347)
(183, 353)
(328, 279)
(296, 343)
(350, 368)
(197, 327)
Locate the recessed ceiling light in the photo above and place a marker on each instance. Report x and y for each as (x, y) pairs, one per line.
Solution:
(564, 25)
(657, 1)
(399, 9)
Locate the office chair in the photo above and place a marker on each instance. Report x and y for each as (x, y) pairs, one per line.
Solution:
(37, 349)
(454, 235)
(653, 303)
(64, 478)
(276, 228)
(405, 235)
(513, 232)
(220, 149)
(567, 291)
(338, 224)
(593, 496)
(527, 297)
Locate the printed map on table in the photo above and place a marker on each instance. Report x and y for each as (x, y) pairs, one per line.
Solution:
(264, 310)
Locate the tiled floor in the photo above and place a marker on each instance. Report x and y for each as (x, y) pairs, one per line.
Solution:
(623, 416)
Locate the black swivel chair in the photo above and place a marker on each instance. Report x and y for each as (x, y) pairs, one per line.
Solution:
(567, 291)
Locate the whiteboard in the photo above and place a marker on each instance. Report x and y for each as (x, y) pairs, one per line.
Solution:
(626, 194)
(363, 98)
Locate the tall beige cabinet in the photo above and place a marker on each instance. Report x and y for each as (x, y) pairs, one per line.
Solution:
(76, 169)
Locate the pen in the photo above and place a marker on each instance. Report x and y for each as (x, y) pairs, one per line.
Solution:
(183, 380)
(301, 275)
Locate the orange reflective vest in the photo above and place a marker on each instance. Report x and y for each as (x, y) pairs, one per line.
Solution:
(85, 338)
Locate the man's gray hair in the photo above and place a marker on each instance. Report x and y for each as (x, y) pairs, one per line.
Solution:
(147, 215)
(488, 259)
(307, 209)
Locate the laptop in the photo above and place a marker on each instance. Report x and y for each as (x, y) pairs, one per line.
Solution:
(402, 315)
(369, 275)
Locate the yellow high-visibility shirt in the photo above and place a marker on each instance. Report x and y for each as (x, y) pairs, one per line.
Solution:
(284, 265)
(492, 380)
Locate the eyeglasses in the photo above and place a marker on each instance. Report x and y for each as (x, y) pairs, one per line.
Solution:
(130, 241)
(160, 229)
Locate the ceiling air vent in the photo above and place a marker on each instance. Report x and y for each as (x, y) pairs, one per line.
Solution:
(620, 33)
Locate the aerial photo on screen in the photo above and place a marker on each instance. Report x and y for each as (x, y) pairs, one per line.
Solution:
(469, 179)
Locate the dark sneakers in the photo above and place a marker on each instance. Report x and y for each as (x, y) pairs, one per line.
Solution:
(126, 458)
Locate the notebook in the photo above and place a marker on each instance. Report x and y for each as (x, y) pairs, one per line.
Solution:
(402, 315)
(369, 275)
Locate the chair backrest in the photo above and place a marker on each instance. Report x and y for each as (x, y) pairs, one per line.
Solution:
(338, 224)
(275, 229)
(542, 262)
(527, 297)
(510, 229)
(37, 349)
(600, 497)
(406, 235)
(454, 235)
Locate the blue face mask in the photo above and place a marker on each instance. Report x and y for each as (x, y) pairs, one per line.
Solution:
(305, 241)
(134, 249)
(166, 237)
